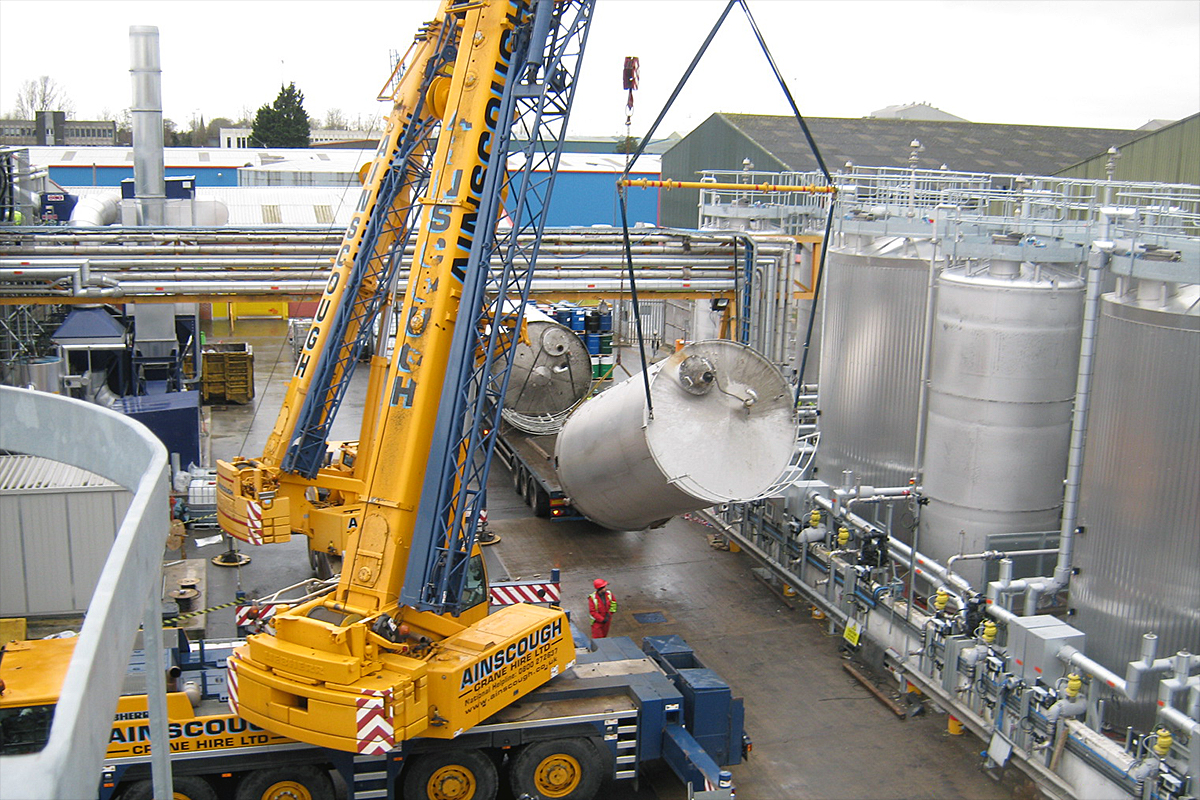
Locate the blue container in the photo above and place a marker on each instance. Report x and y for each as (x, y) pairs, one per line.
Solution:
(563, 316)
(605, 321)
(592, 340)
(578, 319)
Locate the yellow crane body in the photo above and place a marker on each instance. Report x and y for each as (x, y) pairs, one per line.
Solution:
(354, 669)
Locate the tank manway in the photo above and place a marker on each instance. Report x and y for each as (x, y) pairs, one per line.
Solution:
(723, 431)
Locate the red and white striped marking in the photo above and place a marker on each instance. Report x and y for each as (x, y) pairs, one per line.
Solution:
(253, 615)
(254, 523)
(506, 594)
(232, 682)
(376, 732)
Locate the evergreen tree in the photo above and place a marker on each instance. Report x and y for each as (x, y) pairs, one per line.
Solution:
(284, 123)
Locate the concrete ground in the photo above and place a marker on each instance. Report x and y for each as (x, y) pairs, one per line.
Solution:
(817, 732)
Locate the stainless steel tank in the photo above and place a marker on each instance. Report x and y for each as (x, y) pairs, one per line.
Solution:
(723, 431)
(874, 311)
(550, 374)
(1005, 355)
(1139, 558)
(43, 373)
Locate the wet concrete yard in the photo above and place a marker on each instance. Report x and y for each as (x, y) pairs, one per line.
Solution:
(817, 732)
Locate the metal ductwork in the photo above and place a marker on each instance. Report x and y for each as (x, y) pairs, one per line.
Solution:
(96, 211)
(148, 170)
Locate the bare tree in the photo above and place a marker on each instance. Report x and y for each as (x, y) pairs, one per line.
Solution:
(42, 94)
(335, 120)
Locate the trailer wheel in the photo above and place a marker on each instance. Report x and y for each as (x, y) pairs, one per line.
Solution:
(518, 477)
(299, 782)
(185, 787)
(454, 775)
(565, 769)
(541, 502)
(530, 490)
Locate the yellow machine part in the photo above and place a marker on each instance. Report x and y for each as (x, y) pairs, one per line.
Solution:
(243, 508)
(372, 693)
(33, 671)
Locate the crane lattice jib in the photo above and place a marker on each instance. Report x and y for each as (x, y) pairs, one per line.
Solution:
(442, 302)
(498, 274)
(365, 265)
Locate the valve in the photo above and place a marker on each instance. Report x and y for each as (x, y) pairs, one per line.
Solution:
(941, 599)
(989, 631)
(843, 536)
(814, 519)
(1074, 683)
(1162, 744)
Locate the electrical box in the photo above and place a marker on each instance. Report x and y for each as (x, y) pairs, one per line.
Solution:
(1033, 645)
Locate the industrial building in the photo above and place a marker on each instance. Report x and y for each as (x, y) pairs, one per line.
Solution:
(988, 338)
(773, 144)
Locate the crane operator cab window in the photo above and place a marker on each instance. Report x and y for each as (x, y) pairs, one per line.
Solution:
(25, 730)
(475, 588)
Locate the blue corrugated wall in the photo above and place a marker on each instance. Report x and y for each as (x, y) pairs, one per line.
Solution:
(580, 198)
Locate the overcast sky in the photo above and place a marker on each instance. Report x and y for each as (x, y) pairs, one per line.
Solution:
(1080, 63)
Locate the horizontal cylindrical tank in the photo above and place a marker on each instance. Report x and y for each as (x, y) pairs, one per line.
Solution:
(1139, 555)
(550, 373)
(1005, 355)
(722, 430)
(874, 313)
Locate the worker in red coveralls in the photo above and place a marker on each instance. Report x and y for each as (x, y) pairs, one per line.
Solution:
(601, 605)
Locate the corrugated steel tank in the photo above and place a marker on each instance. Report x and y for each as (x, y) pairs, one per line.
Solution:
(723, 430)
(1139, 558)
(874, 310)
(1005, 354)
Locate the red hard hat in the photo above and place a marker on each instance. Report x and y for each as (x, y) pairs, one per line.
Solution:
(599, 583)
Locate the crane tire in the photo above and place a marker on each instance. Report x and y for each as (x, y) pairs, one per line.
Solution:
(184, 787)
(451, 775)
(296, 782)
(560, 769)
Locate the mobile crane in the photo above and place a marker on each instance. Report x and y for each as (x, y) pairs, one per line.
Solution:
(404, 646)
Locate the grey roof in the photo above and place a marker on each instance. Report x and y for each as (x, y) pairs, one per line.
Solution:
(961, 146)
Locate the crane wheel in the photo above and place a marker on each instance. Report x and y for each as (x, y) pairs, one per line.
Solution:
(564, 769)
(185, 787)
(296, 782)
(453, 775)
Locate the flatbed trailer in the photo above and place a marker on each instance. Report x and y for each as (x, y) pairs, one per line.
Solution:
(529, 458)
(618, 709)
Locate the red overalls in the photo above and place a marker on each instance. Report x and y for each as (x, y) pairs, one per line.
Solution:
(600, 605)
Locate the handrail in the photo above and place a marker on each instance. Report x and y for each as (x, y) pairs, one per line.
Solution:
(124, 451)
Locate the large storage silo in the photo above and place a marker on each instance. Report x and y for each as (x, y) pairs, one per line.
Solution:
(1005, 355)
(1139, 557)
(874, 302)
